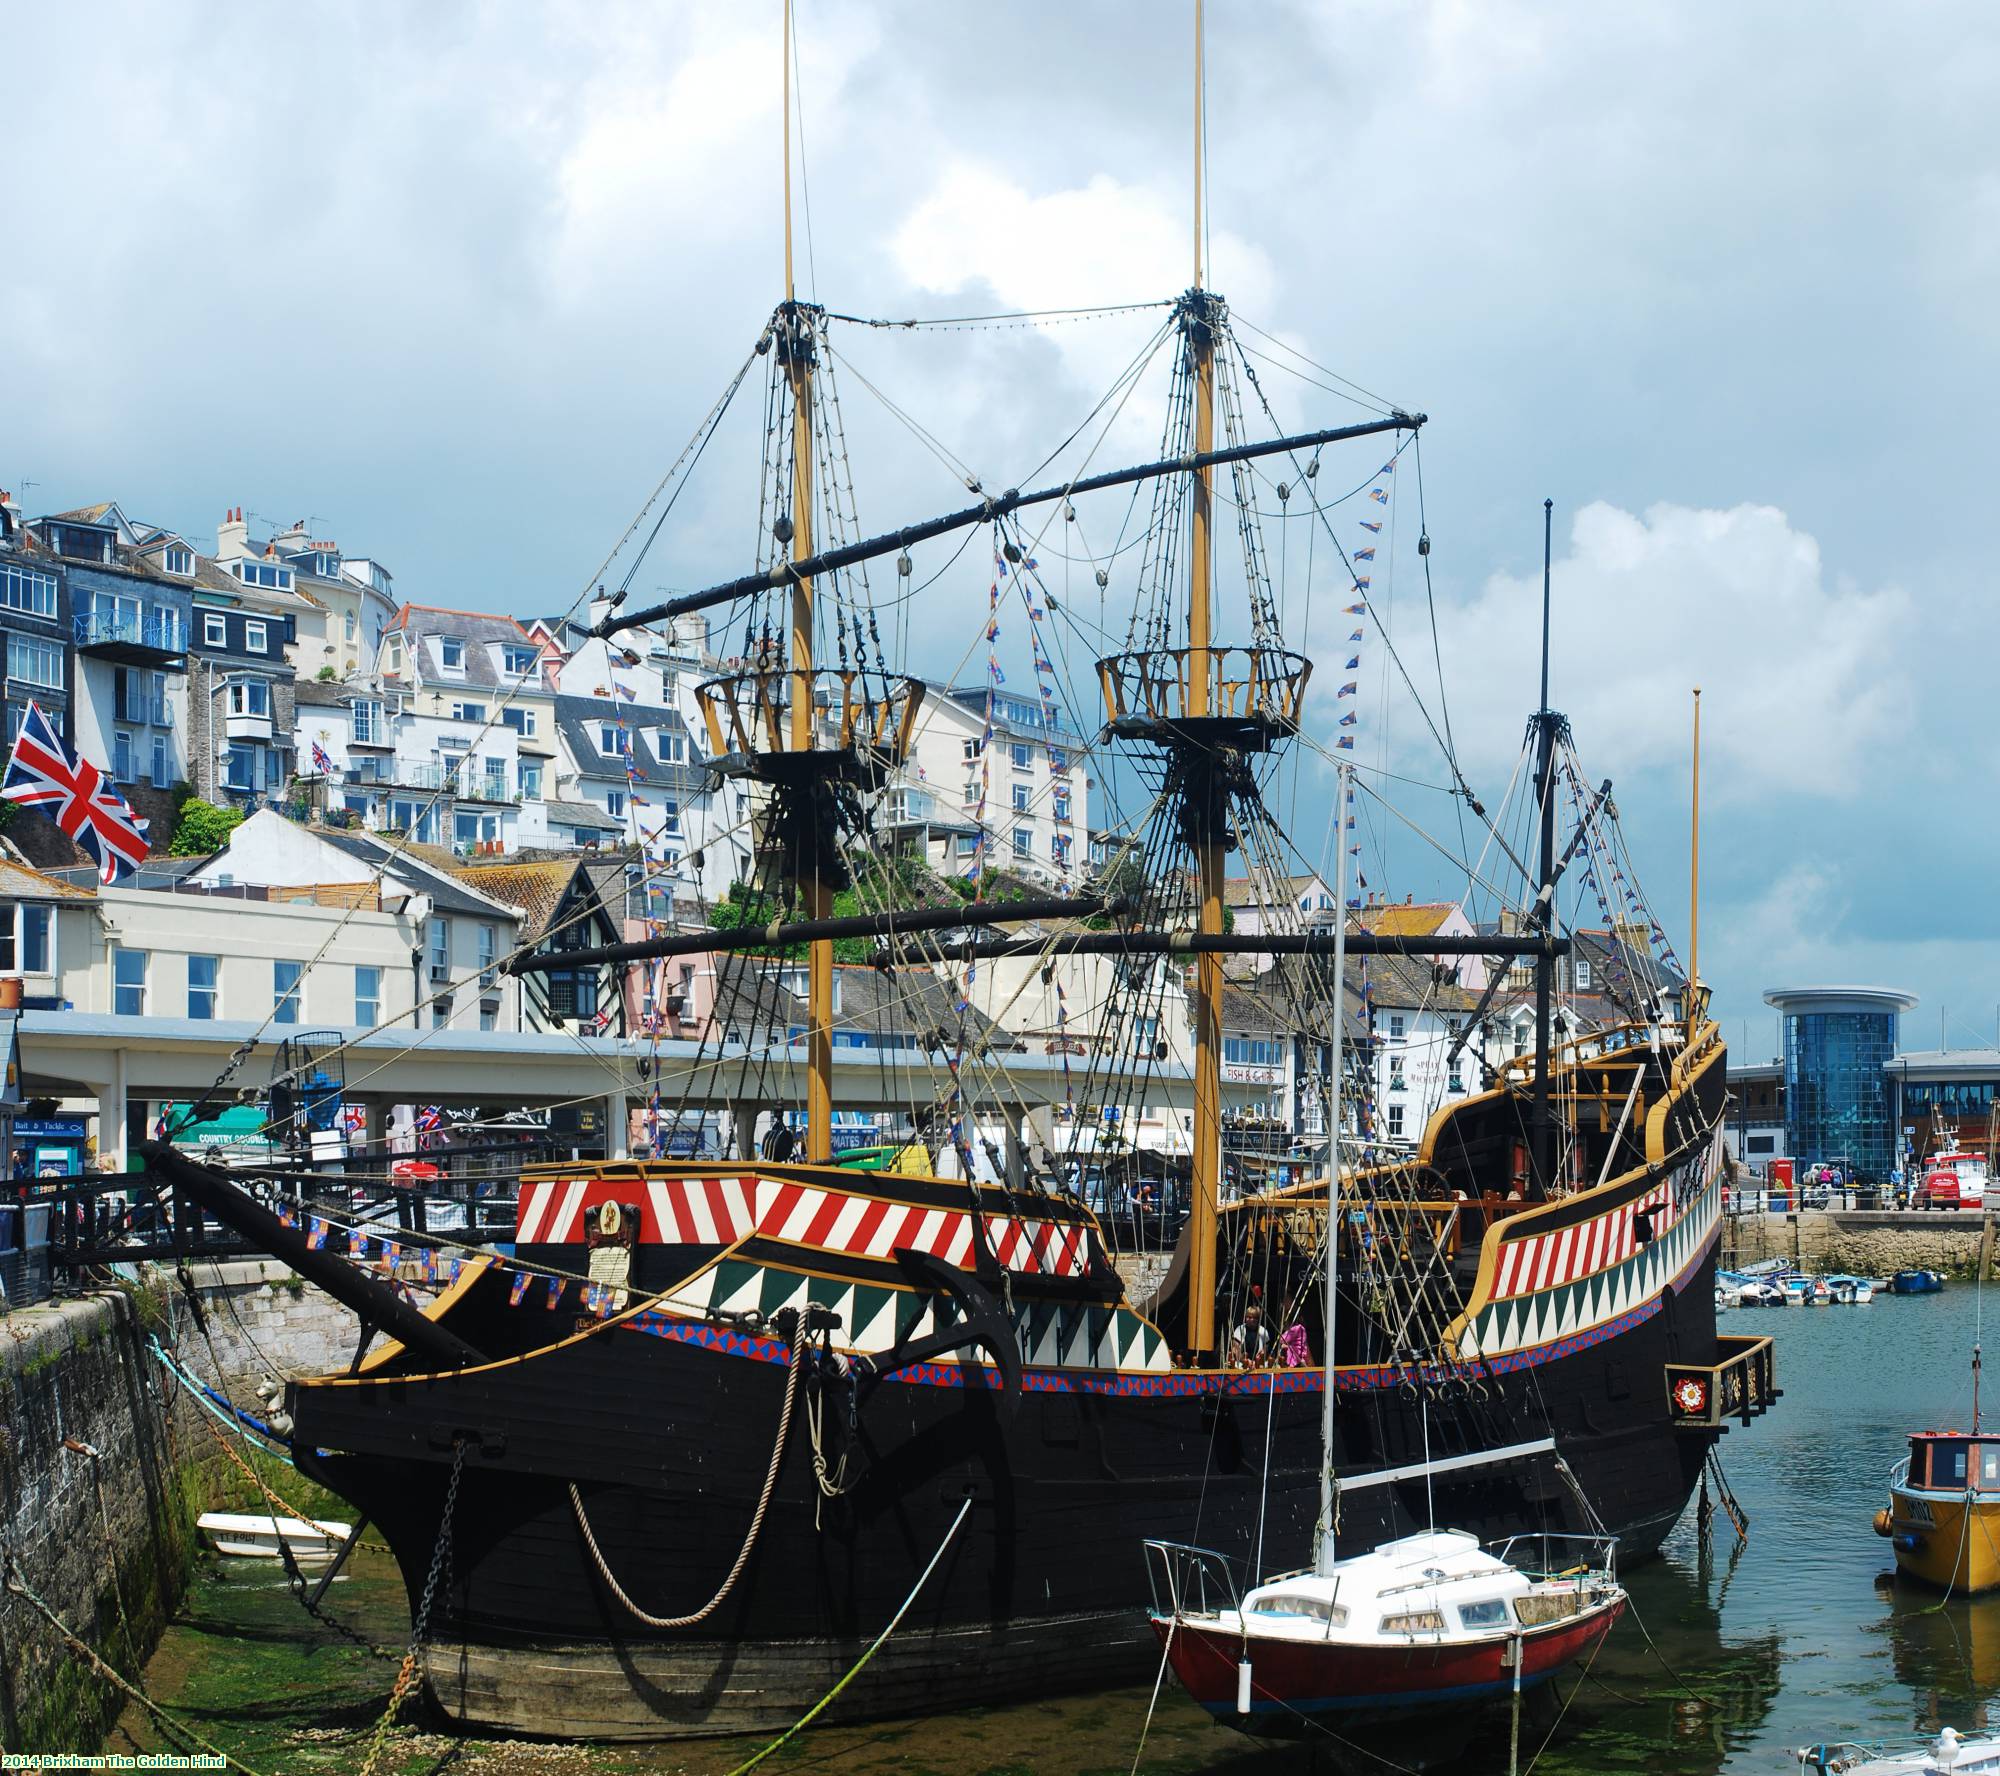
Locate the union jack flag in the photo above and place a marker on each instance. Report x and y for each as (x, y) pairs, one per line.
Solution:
(429, 1119)
(322, 760)
(44, 773)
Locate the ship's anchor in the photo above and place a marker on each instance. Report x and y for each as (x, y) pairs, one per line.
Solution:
(982, 1321)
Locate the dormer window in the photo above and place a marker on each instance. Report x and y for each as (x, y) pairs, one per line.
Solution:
(1580, 973)
(267, 574)
(451, 653)
(178, 560)
(608, 740)
(517, 661)
(671, 745)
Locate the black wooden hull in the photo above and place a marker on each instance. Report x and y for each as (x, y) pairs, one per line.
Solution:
(1041, 1586)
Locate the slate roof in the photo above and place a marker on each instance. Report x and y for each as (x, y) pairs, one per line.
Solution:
(321, 695)
(477, 629)
(578, 718)
(583, 814)
(1258, 890)
(19, 882)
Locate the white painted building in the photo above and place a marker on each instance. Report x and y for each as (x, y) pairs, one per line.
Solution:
(454, 936)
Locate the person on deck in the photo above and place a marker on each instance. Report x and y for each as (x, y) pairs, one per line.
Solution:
(1250, 1343)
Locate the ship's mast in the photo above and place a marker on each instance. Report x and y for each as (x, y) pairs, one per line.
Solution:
(1548, 725)
(1325, 1557)
(1208, 850)
(1694, 881)
(795, 342)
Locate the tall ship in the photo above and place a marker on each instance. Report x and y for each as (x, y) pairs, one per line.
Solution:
(672, 1463)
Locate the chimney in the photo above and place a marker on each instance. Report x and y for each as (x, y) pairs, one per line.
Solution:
(232, 536)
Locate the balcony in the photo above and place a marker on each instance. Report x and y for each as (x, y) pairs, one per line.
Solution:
(138, 638)
(1742, 1384)
(247, 727)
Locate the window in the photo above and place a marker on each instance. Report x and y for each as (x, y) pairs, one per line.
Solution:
(1020, 798)
(203, 973)
(1395, 1122)
(489, 1014)
(468, 712)
(969, 749)
(163, 767)
(364, 720)
(367, 997)
(1396, 1080)
(1253, 1051)
(128, 982)
(968, 844)
(516, 659)
(531, 782)
(1062, 804)
(285, 991)
(1490, 1612)
(348, 626)
(441, 1012)
(34, 662)
(971, 797)
(1395, 1026)
(1022, 755)
(1058, 761)
(489, 948)
(264, 573)
(178, 560)
(522, 721)
(1024, 842)
(32, 925)
(121, 758)
(614, 802)
(37, 927)
(274, 767)
(241, 769)
(671, 744)
(609, 742)
(440, 950)
(1580, 975)
(214, 629)
(256, 636)
(25, 590)
(156, 700)
(451, 653)
(249, 696)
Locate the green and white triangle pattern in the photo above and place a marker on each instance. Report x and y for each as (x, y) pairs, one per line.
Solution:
(1524, 1322)
(1053, 1335)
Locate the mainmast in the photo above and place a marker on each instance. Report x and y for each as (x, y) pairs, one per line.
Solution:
(1325, 1553)
(795, 348)
(1208, 848)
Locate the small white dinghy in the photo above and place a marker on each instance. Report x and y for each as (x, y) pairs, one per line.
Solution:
(257, 1538)
(1946, 1753)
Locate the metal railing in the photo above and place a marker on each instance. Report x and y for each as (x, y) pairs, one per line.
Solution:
(159, 630)
(1190, 1581)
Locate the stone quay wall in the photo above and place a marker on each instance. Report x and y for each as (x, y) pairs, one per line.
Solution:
(1863, 1242)
(268, 1325)
(95, 1516)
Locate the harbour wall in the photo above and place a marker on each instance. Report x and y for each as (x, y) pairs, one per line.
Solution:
(95, 1515)
(105, 1461)
(1863, 1242)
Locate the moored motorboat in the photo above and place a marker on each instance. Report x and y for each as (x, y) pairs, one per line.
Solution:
(1386, 1637)
(1947, 1752)
(1916, 1282)
(250, 1536)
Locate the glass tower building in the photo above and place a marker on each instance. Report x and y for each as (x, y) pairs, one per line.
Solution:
(1839, 1105)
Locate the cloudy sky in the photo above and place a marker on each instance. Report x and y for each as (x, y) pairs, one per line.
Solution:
(457, 284)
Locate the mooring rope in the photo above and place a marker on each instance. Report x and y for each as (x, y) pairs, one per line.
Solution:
(749, 1541)
(811, 1714)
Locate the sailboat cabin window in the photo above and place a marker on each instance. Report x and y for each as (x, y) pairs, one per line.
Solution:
(1489, 1612)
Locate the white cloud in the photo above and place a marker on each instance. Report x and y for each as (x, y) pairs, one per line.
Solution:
(1802, 676)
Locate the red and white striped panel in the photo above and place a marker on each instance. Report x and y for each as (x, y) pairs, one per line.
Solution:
(720, 1211)
(1548, 1260)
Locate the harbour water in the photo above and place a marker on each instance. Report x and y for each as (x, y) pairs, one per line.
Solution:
(1727, 1661)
